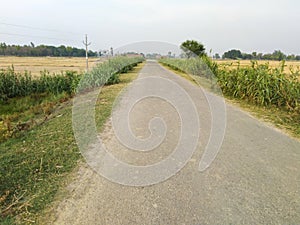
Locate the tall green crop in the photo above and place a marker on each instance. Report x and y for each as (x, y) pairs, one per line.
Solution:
(14, 84)
(258, 84)
(108, 72)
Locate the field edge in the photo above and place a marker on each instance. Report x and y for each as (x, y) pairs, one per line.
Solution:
(273, 117)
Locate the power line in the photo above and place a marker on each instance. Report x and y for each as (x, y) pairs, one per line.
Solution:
(37, 28)
(23, 35)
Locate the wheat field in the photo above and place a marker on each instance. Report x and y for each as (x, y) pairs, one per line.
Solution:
(295, 65)
(52, 64)
(57, 64)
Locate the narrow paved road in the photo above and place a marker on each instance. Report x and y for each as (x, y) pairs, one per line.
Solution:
(255, 178)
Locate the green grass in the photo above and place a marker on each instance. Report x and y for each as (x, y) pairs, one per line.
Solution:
(196, 80)
(285, 115)
(34, 166)
(182, 74)
(278, 117)
(22, 113)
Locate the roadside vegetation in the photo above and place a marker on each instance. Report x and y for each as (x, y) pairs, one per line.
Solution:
(37, 145)
(26, 101)
(259, 87)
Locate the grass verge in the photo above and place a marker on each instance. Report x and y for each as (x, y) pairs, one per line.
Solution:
(34, 166)
(278, 117)
(19, 114)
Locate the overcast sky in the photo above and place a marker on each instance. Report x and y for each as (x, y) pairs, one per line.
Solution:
(221, 25)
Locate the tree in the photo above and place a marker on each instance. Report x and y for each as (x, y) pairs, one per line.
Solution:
(247, 56)
(268, 56)
(193, 48)
(291, 57)
(3, 46)
(42, 50)
(217, 56)
(278, 55)
(233, 54)
(69, 50)
(259, 56)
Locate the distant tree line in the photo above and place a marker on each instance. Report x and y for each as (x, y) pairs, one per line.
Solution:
(276, 55)
(192, 48)
(42, 50)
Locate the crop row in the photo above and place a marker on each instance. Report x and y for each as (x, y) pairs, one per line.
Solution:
(14, 84)
(258, 84)
(108, 72)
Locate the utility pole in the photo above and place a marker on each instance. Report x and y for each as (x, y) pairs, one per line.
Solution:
(86, 52)
(112, 51)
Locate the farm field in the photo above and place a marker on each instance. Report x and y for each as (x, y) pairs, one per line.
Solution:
(58, 64)
(52, 64)
(274, 64)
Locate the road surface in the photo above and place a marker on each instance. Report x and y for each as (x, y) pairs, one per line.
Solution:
(255, 178)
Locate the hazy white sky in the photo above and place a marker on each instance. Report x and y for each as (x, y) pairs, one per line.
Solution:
(256, 25)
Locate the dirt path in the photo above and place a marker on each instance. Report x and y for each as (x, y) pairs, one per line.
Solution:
(255, 178)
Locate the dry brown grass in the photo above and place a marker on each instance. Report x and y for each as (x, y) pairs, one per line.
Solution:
(51, 64)
(244, 63)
